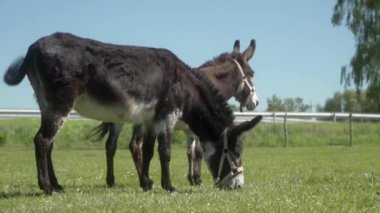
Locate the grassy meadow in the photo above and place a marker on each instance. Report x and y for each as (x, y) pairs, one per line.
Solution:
(316, 173)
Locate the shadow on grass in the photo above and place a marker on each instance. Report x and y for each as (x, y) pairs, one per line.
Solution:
(16, 194)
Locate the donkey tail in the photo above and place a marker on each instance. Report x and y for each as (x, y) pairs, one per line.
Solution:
(17, 70)
(99, 132)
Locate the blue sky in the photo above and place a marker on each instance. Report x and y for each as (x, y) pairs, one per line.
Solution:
(299, 53)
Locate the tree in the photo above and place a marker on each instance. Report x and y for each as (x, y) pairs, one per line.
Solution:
(334, 104)
(288, 104)
(362, 18)
(349, 101)
(275, 104)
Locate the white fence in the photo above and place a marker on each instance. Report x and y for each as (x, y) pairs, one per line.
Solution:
(305, 116)
(239, 116)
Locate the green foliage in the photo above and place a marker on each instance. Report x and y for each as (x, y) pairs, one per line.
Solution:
(362, 18)
(301, 179)
(350, 101)
(288, 104)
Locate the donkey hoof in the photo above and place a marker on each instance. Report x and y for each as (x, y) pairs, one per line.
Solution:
(194, 181)
(48, 190)
(147, 188)
(111, 185)
(146, 184)
(59, 189)
(197, 182)
(169, 188)
(110, 181)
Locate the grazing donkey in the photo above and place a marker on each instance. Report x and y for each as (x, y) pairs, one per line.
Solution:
(231, 79)
(118, 83)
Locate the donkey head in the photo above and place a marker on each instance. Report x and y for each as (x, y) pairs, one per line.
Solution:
(224, 157)
(232, 75)
(246, 92)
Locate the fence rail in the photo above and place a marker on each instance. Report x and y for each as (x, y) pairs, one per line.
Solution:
(239, 116)
(275, 117)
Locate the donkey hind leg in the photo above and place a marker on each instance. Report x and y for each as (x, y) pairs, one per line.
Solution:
(135, 147)
(164, 150)
(148, 148)
(43, 143)
(197, 162)
(194, 155)
(111, 146)
(190, 154)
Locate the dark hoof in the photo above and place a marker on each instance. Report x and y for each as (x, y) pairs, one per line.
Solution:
(146, 184)
(48, 191)
(194, 181)
(169, 188)
(197, 182)
(58, 188)
(110, 181)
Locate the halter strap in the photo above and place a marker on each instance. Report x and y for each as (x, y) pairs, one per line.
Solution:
(226, 154)
(244, 82)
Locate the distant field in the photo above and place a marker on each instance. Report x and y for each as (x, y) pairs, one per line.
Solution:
(20, 133)
(294, 179)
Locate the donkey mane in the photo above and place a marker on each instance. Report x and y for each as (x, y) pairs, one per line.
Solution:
(220, 59)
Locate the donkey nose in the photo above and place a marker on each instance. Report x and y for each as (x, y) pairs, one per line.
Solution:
(239, 186)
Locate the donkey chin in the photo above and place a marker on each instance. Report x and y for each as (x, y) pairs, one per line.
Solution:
(252, 103)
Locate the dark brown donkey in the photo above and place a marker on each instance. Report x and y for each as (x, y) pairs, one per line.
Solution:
(232, 81)
(117, 83)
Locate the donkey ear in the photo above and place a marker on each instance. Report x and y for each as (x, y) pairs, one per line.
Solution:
(236, 47)
(246, 126)
(248, 53)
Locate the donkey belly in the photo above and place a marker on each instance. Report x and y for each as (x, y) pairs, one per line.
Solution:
(117, 112)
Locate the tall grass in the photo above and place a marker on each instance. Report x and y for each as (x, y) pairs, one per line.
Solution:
(74, 134)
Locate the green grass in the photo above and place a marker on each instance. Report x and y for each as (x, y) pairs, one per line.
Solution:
(318, 172)
(295, 179)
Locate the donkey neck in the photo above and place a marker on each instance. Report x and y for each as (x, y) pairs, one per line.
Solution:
(204, 109)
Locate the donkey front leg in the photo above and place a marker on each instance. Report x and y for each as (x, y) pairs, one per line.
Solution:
(148, 148)
(111, 146)
(164, 150)
(43, 144)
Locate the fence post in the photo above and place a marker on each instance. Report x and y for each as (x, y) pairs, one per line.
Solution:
(350, 118)
(286, 129)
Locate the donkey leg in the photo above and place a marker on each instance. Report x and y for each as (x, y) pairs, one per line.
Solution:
(164, 150)
(135, 147)
(52, 177)
(194, 155)
(190, 155)
(43, 143)
(148, 148)
(197, 162)
(111, 146)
